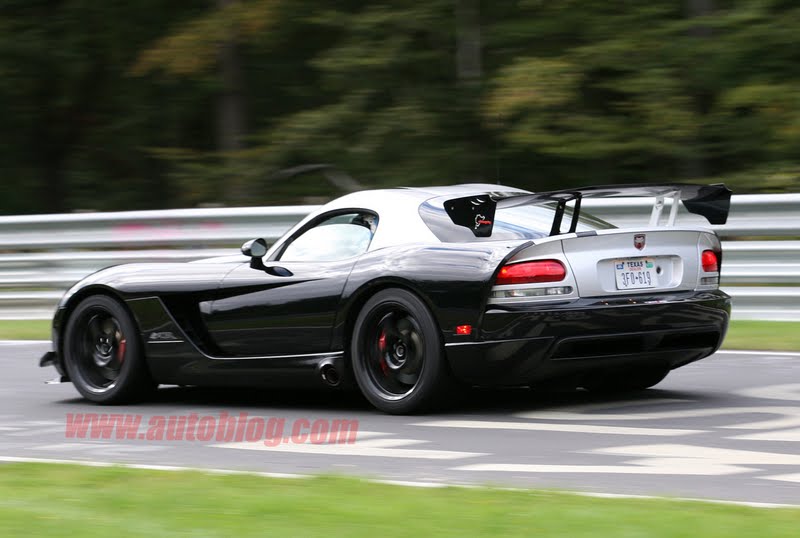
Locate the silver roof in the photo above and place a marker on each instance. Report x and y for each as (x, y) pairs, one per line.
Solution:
(399, 221)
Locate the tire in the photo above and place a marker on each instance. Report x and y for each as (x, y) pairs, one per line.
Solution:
(397, 354)
(103, 352)
(626, 380)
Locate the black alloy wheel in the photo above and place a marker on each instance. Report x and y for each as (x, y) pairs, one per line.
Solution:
(397, 354)
(102, 352)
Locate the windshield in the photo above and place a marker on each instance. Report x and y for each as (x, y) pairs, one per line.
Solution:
(520, 222)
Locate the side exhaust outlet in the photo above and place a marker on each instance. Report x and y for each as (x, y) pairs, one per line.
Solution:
(330, 375)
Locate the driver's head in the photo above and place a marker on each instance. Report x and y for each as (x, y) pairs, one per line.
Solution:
(366, 220)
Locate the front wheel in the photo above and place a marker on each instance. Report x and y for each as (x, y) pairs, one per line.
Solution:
(397, 354)
(103, 353)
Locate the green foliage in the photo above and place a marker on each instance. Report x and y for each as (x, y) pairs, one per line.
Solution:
(193, 47)
(105, 103)
(74, 124)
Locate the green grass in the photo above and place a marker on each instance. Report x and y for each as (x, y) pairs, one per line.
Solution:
(66, 500)
(758, 335)
(38, 329)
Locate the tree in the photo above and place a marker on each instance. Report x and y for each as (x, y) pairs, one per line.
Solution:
(613, 92)
(223, 101)
(75, 125)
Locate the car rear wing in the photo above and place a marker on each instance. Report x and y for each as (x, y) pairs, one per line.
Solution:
(477, 212)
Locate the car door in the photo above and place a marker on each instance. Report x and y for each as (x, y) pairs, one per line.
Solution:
(287, 306)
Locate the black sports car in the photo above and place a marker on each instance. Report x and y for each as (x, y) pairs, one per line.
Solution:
(407, 292)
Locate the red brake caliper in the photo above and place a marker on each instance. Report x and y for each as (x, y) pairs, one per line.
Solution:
(121, 350)
(382, 348)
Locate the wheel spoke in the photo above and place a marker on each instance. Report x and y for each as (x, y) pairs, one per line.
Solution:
(110, 373)
(415, 351)
(405, 326)
(101, 350)
(109, 326)
(395, 351)
(95, 328)
(389, 326)
(408, 378)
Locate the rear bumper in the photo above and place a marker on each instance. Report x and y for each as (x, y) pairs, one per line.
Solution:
(520, 345)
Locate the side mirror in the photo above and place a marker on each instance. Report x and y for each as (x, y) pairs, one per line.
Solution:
(255, 248)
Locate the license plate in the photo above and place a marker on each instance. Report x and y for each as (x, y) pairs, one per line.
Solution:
(635, 273)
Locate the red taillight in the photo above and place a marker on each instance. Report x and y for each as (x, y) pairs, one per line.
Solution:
(710, 261)
(532, 272)
(464, 329)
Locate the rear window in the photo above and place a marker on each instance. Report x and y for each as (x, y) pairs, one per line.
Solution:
(520, 222)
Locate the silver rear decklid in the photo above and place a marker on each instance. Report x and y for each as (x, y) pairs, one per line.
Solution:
(618, 262)
(615, 262)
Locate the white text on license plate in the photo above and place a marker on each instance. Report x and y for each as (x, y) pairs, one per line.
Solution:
(635, 273)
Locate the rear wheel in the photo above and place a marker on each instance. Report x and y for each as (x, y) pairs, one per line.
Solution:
(397, 354)
(626, 380)
(103, 354)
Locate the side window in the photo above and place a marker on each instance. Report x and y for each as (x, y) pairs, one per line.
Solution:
(336, 238)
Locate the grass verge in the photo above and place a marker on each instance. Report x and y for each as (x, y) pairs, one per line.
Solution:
(66, 500)
(758, 335)
(27, 329)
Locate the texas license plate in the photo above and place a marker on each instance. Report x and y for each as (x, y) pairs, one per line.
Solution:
(635, 273)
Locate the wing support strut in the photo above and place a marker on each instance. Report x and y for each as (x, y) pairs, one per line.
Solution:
(477, 212)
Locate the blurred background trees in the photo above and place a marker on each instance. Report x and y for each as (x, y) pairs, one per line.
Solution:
(115, 105)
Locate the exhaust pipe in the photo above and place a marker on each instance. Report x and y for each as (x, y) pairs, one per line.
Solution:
(330, 375)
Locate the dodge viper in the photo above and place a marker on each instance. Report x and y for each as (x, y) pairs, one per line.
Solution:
(408, 293)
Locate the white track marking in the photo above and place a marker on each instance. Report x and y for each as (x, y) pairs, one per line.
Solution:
(541, 426)
(23, 343)
(792, 435)
(584, 409)
(365, 434)
(704, 454)
(382, 448)
(675, 460)
(790, 416)
(683, 499)
(617, 404)
(648, 466)
(789, 392)
(784, 477)
(764, 354)
(104, 449)
(418, 484)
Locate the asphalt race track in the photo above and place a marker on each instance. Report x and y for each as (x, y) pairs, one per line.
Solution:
(725, 428)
